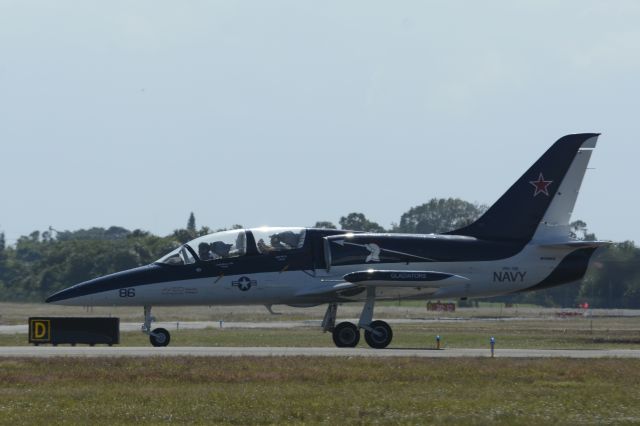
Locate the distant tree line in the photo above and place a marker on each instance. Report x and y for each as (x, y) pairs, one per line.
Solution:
(43, 262)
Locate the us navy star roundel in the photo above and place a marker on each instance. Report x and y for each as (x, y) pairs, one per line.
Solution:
(244, 283)
(541, 185)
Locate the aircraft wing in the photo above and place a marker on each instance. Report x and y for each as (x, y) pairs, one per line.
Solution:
(576, 244)
(355, 282)
(338, 287)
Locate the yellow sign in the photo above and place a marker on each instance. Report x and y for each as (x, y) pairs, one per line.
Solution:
(40, 330)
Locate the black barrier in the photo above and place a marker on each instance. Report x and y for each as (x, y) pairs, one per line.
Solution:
(72, 330)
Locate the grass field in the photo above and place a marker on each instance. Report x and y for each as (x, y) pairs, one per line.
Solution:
(308, 390)
(17, 313)
(318, 390)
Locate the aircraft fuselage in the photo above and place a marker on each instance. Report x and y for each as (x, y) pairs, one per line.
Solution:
(307, 275)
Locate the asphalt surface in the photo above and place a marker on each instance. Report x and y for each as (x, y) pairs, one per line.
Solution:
(106, 351)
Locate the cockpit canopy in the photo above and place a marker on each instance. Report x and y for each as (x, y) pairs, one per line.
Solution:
(278, 239)
(230, 244)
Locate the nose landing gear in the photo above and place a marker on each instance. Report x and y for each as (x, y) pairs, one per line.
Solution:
(159, 336)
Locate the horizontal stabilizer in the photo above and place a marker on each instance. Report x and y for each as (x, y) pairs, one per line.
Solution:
(432, 279)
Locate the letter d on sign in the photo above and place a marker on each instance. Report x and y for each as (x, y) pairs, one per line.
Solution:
(41, 330)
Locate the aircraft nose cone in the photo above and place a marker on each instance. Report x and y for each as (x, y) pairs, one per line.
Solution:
(60, 295)
(74, 291)
(85, 291)
(67, 293)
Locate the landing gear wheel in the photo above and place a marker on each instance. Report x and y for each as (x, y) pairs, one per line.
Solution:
(380, 335)
(346, 335)
(159, 337)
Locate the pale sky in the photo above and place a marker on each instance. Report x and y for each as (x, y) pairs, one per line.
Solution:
(135, 113)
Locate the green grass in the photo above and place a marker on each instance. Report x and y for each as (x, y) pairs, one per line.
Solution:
(318, 390)
(18, 313)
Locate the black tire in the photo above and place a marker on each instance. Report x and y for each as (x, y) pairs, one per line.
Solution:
(159, 337)
(346, 335)
(380, 336)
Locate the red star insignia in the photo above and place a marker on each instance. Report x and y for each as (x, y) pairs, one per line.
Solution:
(541, 185)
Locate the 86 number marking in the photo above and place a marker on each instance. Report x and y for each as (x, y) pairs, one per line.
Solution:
(127, 292)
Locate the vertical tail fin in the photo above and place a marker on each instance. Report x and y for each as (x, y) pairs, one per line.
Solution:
(541, 201)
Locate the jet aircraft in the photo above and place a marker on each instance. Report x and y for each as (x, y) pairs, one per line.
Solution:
(521, 243)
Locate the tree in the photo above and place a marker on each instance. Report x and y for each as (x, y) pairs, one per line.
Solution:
(183, 235)
(579, 231)
(112, 233)
(191, 225)
(35, 267)
(116, 233)
(2, 259)
(233, 227)
(614, 279)
(205, 230)
(439, 215)
(358, 222)
(325, 224)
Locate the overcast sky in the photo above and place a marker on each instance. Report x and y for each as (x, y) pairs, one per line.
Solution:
(288, 112)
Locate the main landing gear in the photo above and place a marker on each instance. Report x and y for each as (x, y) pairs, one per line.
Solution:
(157, 337)
(377, 334)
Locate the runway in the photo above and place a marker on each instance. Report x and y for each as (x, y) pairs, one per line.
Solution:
(105, 351)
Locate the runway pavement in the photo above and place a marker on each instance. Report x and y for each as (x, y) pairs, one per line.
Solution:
(105, 351)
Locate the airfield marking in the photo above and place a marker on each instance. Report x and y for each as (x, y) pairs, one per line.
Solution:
(105, 351)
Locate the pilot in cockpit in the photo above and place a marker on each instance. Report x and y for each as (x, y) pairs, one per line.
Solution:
(276, 243)
(285, 240)
(204, 251)
(221, 249)
(263, 247)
